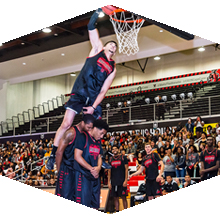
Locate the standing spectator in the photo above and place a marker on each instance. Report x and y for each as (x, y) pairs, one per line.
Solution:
(199, 126)
(161, 152)
(169, 165)
(139, 161)
(160, 143)
(175, 146)
(140, 146)
(209, 131)
(202, 143)
(160, 108)
(185, 140)
(180, 163)
(125, 113)
(192, 161)
(189, 125)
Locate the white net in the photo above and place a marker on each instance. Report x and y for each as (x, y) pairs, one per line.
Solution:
(126, 29)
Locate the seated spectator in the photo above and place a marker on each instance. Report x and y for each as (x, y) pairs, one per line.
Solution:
(9, 173)
(52, 182)
(141, 194)
(36, 183)
(170, 185)
(188, 181)
(218, 145)
(169, 165)
(140, 147)
(178, 183)
(41, 151)
(139, 161)
(181, 145)
(180, 163)
(130, 152)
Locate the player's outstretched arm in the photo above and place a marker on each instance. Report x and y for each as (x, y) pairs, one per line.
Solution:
(137, 172)
(68, 136)
(95, 41)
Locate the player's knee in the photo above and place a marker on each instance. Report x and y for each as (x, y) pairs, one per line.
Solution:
(66, 124)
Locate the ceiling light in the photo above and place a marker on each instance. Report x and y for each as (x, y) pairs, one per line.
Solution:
(101, 14)
(24, 64)
(1, 44)
(147, 100)
(157, 58)
(62, 54)
(108, 106)
(157, 99)
(46, 30)
(55, 34)
(182, 96)
(22, 43)
(129, 103)
(161, 30)
(201, 49)
(190, 95)
(173, 97)
(72, 74)
(164, 98)
(119, 104)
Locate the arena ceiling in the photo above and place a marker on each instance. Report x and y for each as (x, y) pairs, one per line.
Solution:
(73, 32)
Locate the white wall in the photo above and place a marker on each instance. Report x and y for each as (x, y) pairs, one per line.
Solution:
(20, 97)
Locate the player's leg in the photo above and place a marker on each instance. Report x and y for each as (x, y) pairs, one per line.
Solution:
(66, 124)
(149, 190)
(95, 201)
(73, 107)
(123, 194)
(116, 202)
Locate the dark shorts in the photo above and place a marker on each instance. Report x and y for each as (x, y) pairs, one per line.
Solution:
(118, 191)
(199, 129)
(65, 186)
(87, 192)
(76, 103)
(153, 188)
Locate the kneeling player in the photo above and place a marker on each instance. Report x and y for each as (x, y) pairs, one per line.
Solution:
(87, 165)
(150, 162)
(117, 178)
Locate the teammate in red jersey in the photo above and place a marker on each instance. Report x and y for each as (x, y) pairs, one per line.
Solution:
(150, 163)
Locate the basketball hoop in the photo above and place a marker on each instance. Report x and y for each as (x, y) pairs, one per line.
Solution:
(126, 26)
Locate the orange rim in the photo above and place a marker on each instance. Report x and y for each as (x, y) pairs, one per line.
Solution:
(122, 21)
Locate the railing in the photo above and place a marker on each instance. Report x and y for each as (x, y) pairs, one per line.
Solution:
(31, 120)
(27, 118)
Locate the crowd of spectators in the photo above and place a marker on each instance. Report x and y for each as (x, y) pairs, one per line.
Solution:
(179, 147)
(23, 161)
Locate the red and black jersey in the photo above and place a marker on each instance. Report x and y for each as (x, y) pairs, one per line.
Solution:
(209, 159)
(150, 162)
(118, 169)
(91, 149)
(68, 154)
(93, 75)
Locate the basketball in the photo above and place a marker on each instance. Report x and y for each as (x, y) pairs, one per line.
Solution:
(108, 9)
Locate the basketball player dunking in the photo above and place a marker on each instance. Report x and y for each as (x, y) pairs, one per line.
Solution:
(150, 163)
(65, 186)
(209, 158)
(91, 84)
(87, 165)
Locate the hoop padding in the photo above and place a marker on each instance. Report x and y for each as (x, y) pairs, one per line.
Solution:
(126, 29)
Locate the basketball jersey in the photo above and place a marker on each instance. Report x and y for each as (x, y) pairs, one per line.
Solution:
(93, 75)
(91, 150)
(209, 159)
(68, 154)
(150, 162)
(118, 169)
